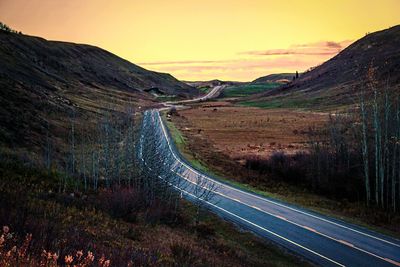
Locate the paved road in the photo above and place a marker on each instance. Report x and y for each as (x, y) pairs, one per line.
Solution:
(320, 239)
(215, 92)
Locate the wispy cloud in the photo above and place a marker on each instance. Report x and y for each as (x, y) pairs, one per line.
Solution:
(311, 49)
(252, 64)
(182, 62)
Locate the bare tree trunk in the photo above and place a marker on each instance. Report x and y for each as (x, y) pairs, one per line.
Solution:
(396, 166)
(72, 149)
(365, 154)
(377, 148)
(386, 168)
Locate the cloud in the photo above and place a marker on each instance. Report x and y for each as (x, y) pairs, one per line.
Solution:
(241, 69)
(252, 64)
(324, 48)
(182, 62)
(336, 45)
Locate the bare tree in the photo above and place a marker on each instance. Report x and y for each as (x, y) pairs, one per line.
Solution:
(365, 154)
(165, 176)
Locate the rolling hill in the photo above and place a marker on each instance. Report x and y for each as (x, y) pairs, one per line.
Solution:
(278, 77)
(42, 81)
(51, 64)
(337, 81)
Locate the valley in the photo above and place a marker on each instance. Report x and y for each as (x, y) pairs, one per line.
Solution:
(199, 134)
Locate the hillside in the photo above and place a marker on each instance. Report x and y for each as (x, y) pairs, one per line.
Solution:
(42, 82)
(278, 77)
(338, 80)
(206, 86)
(36, 61)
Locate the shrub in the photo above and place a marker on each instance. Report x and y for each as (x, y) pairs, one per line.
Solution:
(12, 254)
(204, 230)
(121, 202)
(183, 254)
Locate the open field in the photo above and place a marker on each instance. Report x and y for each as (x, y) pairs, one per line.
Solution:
(248, 89)
(242, 131)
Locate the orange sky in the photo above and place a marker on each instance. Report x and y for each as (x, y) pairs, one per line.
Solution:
(199, 40)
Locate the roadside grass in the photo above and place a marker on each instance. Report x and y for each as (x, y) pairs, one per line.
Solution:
(180, 143)
(199, 165)
(291, 194)
(175, 133)
(249, 89)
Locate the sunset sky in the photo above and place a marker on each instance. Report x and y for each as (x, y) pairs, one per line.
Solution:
(207, 39)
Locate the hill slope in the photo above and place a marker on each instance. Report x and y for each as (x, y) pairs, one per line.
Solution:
(278, 77)
(335, 82)
(43, 81)
(36, 61)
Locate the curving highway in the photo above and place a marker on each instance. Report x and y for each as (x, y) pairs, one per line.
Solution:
(320, 239)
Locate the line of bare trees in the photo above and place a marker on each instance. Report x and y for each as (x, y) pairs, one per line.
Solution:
(358, 152)
(100, 155)
(380, 127)
(356, 156)
(166, 176)
(360, 148)
(120, 152)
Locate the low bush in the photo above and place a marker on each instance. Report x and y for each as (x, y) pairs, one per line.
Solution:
(14, 254)
(182, 255)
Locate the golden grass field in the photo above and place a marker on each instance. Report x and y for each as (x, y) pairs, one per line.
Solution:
(239, 132)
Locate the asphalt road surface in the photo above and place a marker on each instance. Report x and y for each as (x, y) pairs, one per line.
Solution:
(320, 239)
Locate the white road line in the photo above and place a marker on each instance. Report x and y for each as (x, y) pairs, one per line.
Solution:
(264, 199)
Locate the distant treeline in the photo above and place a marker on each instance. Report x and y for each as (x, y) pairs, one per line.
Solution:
(6, 28)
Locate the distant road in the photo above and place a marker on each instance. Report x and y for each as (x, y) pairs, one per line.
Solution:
(322, 240)
(215, 92)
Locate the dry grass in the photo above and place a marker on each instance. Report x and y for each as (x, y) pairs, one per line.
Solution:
(242, 131)
(64, 223)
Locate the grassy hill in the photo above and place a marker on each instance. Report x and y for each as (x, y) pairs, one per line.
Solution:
(337, 81)
(52, 64)
(244, 89)
(43, 83)
(277, 77)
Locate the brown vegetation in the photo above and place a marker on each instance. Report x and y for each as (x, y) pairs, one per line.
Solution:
(239, 132)
(66, 228)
